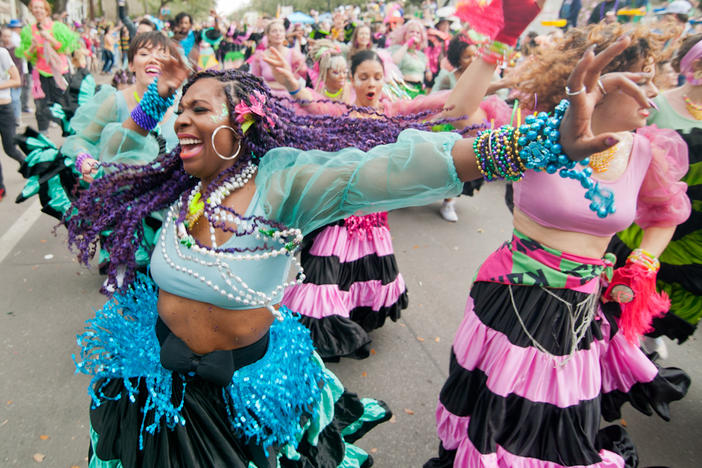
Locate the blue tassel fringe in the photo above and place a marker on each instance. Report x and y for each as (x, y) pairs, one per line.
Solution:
(265, 401)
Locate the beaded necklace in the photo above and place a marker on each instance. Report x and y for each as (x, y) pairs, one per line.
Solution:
(333, 95)
(599, 162)
(278, 240)
(695, 110)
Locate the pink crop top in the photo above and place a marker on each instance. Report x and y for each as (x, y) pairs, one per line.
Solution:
(648, 192)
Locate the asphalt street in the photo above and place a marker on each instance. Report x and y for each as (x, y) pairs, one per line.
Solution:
(45, 298)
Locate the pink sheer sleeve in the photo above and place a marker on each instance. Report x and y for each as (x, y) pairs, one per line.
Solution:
(320, 105)
(663, 200)
(255, 64)
(496, 109)
(297, 63)
(392, 71)
(429, 102)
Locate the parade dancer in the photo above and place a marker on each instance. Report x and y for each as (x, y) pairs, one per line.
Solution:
(544, 350)
(353, 283)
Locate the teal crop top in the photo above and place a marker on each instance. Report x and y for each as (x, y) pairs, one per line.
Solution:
(262, 275)
(307, 190)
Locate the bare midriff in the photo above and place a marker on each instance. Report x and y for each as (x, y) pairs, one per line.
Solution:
(205, 328)
(576, 243)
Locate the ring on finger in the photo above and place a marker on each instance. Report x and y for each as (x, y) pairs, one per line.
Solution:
(601, 86)
(574, 93)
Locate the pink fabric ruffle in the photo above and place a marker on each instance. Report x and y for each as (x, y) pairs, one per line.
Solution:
(496, 109)
(337, 241)
(663, 200)
(450, 428)
(527, 372)
(468, 456)
(322, 300)
(624, 364)
(430, 102)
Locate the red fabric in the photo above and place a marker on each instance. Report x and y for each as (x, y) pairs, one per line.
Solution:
(517, 16)
(647, 303)
(484, 16)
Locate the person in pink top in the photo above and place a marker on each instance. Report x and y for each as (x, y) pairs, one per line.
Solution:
(275, 37)
(549, 341)
(46, 44)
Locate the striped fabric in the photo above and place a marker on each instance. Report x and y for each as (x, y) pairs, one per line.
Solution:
(520, 393)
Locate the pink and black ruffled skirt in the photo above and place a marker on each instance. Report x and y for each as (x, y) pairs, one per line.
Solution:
(523, 390)
(352, 284)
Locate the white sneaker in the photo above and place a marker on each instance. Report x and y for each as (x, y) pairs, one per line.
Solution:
(655, 345)
(448, 211)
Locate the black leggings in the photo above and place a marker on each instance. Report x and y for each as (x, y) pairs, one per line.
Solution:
(52, 94)
(7, 133)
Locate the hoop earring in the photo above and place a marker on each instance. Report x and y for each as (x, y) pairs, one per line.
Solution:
(226, 158)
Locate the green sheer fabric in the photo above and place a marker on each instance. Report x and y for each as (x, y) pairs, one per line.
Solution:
(309, 189)
(99, 132)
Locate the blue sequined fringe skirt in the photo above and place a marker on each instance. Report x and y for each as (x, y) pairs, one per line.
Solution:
(285, 408)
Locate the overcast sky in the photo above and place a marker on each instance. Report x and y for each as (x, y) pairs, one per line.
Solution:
(224, 7)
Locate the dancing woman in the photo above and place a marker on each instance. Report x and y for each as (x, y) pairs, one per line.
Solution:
(54, 174)
(408, 42)
(203, 368)
(353, 282)
(275, 41)
(538, 359)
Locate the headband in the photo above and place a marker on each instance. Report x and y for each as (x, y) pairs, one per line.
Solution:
(686, 64)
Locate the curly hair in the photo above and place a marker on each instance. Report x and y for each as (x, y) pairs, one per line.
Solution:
(122, 198)
(542, 83)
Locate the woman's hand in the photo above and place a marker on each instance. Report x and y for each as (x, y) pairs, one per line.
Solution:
(280, 67)
(174, 71)
(577, 138)
(88, 169)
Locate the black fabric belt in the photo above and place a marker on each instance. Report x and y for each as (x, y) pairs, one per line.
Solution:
(217, 367)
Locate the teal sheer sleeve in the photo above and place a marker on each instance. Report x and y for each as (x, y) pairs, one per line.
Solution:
(99, 132)
(308, 189)
(87, 90)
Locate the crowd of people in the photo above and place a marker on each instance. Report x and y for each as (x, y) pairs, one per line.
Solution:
(223, 154)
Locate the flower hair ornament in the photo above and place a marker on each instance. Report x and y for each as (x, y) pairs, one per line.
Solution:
(245, 112)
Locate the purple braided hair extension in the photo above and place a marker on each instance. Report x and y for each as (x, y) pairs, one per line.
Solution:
(120, 200)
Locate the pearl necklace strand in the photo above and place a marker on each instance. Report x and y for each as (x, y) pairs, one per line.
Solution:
(237, 289)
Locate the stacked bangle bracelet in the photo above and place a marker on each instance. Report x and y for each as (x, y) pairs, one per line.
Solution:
(645, 259)
(496, 52)
(152, 107)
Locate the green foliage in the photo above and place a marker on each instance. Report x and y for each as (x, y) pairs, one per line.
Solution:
(199, 9)
(271, 6)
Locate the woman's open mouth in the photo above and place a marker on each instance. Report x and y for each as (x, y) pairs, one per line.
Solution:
(152, 70)
(189, 147)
